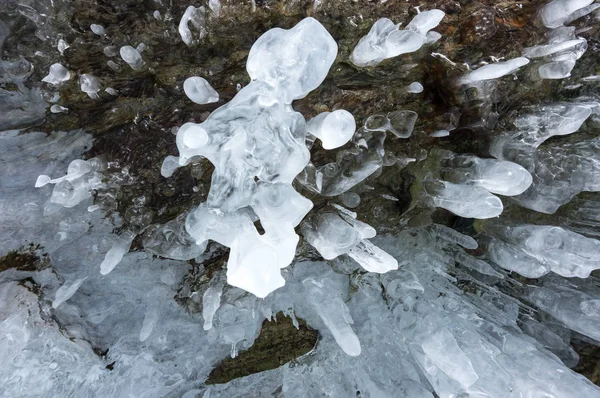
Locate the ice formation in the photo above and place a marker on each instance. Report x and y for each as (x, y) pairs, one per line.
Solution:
(195, 16)
(563, 50)
(334, 129)
(260, 139)
(557, 12)
(199, 90)
(98, 29)
(132, 57)
(336, 234)
(535, 250)
(552, 170)
(90, 85)
(496, 176)
(57, 75)
(215, 6)
(82, 177)
(385, 40)
(391, 252)
(415, 88)
(494, 71)
(400, 123)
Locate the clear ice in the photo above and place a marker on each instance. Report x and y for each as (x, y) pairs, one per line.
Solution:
(198, 90)
(458, 263)
(385, 40)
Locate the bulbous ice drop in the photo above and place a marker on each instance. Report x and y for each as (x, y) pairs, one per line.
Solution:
(198, 90)
(494, 71)
(42, 180)
(557, 249)
(502, 177)
(330, 235)
(151, 318)
(415, 88)
(383, 41)
(402, 123)
(553, 48)
(424, 21)
(132, 57)
(169, 165)
(465, 200)
(211, 300)
(57, 75)
(334, 129)
(98, 29)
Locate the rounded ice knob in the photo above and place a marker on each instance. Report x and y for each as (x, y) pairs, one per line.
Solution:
(194, 136)
(132, 57)
(199, 90)
(334, 129)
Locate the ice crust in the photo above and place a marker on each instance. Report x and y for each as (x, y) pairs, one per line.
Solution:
(385, 40)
